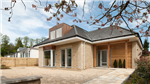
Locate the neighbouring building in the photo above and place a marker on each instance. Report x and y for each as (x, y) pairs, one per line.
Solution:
(25, 53)
(72, 47)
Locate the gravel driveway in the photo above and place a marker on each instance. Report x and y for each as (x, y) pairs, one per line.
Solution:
(55, 76)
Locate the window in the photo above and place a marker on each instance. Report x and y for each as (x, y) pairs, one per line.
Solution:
(49, 58)
(68, 57)
(29, 53)
(53, 34)
(63, 58)
(59, 32)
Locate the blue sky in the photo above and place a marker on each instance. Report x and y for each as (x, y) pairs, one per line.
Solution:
(32, 23)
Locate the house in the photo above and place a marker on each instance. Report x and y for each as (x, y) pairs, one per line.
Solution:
(10, 55)
(72, 47)
(25, 53)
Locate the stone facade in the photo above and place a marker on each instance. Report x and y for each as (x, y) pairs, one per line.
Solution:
(88, 55)
(41, 54)
(78, 59)
(81, 60)
(135, 53)
(75, 48)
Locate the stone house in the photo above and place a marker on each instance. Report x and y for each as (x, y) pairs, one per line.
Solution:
(71, 47)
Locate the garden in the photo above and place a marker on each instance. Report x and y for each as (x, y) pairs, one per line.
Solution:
(141, 75)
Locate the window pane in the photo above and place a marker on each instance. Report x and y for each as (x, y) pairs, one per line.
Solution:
(29, 53)
(47, 57)
(62, 57)
(59, 32)
(98, 58)
(52, 34)
(53, 57)
(104, 56)
(69, 57)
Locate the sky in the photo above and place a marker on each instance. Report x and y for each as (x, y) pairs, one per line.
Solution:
(32, 23)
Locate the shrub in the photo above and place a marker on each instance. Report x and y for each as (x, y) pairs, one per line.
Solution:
(124, 63)
(120, 63)
(135, 79)
(145, 53)
(4, 67)
(143, 68)
(115, 64)
(142, 72)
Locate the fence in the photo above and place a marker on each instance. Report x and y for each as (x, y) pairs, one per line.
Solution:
(14, 62)
(146, 57)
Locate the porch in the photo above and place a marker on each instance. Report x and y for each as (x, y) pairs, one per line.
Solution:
(106, 53)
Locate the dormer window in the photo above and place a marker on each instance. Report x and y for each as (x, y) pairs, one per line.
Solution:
(59, 32)
(53, 34)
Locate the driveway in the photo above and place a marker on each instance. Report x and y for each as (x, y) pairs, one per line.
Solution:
(57, 76)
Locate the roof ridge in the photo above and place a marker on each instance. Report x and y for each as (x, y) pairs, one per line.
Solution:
(127, 30)
(75, 30)
(84, 31)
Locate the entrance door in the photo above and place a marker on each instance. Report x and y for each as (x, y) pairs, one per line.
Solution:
(103, 58)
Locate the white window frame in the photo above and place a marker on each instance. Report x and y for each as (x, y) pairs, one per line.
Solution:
(53, 34)
(51, 55)
(59, 32)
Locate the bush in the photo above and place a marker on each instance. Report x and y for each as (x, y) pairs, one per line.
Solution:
(124, 63)
(143, 67)
(142, 72)
(145, 53)
(120, 63)
(4, 67)
(115, 64)
(135, 79)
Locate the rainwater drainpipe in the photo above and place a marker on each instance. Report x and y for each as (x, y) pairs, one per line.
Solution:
(84, 55)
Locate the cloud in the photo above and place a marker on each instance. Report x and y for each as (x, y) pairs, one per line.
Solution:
(111, 3)
(24, 22)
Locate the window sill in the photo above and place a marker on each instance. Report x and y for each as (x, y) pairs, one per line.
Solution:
(68, 67)
(49, 66)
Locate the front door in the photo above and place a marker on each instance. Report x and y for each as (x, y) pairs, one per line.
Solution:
(103, 58)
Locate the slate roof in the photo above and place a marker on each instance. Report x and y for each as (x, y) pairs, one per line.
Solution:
(104, 33)
(21, 48)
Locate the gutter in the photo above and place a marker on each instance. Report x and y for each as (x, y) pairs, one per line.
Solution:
(87, 40)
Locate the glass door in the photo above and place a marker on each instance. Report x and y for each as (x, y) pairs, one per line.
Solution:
(63, 58)
(49, 58)
(69, 57)
(103, 58)
(98, 59)
(66, 56)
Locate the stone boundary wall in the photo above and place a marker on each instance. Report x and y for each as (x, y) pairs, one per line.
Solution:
(24, 80)
(15, 62)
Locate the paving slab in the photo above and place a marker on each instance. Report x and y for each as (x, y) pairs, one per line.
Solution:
(116, 76)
